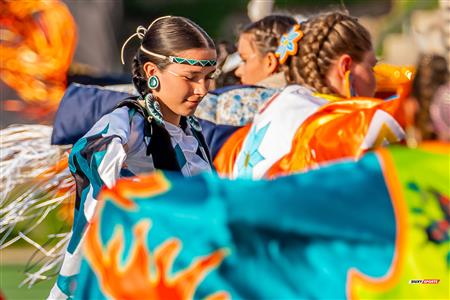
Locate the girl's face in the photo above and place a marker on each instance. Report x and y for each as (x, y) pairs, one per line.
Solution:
(251, 70)
(362, 78)
(182, 87)
(363, 75)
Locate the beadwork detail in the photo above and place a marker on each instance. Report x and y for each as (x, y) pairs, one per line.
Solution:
(153, 109)
(153, 82)
(193, 62)
(194, 123)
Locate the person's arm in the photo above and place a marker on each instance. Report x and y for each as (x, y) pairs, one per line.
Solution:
(95, 161)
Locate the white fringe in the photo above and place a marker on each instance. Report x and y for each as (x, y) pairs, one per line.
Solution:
(26, 199)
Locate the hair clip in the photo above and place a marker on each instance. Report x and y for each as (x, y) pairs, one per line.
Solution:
(289, 44)
(140, 33)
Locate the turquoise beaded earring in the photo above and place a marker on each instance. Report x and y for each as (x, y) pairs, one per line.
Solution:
(153, 82)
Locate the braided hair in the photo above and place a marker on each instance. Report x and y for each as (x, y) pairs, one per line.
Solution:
(326, 37)
(167, 36)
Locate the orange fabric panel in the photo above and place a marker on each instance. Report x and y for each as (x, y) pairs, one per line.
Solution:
(394, 80)
(227, 155)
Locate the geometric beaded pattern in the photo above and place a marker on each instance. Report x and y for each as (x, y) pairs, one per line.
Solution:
(194, 123)
(193, 62)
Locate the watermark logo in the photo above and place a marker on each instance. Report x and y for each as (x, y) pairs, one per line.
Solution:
(424, 281)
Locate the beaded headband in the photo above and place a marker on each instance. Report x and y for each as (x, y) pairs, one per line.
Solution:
(181, 60)
(289, 44)
(140, 33)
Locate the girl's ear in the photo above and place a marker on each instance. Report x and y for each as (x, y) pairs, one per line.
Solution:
(150, 69)
(270, 63)
(337, 74)
(344, 64)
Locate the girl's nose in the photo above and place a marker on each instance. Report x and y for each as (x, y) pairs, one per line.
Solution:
(238, 71)
(201, 88)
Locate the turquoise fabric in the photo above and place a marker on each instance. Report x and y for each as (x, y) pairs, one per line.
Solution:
(294, 237)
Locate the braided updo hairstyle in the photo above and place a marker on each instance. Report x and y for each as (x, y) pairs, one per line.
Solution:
(326, 37)
(167, 36)
(267, 32)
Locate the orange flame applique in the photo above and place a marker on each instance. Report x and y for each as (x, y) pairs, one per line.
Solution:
(135, 280)
(146, 186)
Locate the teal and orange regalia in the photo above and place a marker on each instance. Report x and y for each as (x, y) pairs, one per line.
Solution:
(122, 144)
(377, 228)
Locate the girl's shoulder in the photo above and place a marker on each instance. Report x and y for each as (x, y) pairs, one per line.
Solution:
(116, 123)
(300, 92)
(81, 107)
(291, 99)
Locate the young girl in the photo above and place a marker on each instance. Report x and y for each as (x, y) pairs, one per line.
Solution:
(171, 71)
(257, 44)
(259, 71)
(331, 56)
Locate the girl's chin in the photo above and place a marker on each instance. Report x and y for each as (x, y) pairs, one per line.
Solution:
(191, 104)
(188, 110)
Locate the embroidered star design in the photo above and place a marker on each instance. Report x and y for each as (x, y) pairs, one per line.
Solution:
(250, 155)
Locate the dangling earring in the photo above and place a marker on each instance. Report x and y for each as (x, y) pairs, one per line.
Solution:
(153, 109)
(348, 85)
(153, 82)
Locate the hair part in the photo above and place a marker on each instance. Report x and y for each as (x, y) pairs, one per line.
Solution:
(167, 36)
(326, 37)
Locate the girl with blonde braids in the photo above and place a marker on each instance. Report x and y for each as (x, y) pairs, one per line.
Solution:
(326, 113)
(334, 46)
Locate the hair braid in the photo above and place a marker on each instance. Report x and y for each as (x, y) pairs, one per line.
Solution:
(139, 77)
(326, 37)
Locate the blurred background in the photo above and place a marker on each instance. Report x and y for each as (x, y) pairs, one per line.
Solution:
(47, 45)
(401, 30)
